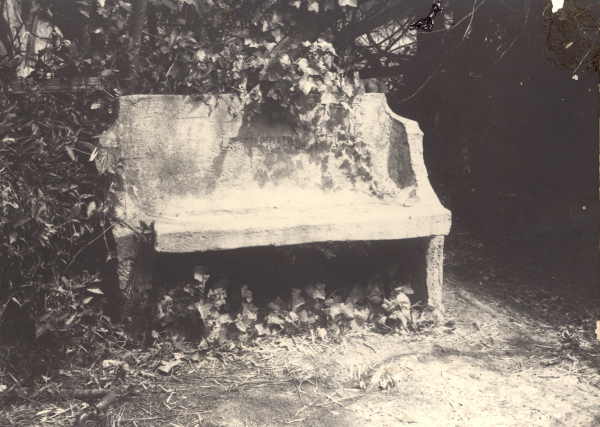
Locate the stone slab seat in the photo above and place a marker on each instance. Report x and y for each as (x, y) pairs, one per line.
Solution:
(210, 179)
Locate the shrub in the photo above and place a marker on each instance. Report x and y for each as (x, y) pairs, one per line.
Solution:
(53, 201)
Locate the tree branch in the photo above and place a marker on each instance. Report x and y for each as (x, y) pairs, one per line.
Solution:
(350, 33)
(137, 21)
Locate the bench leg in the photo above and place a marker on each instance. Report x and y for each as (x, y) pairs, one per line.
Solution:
(136, 257)
(136, 261)
(431, 274)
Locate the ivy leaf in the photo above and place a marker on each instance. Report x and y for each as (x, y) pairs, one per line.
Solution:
(292, 317)
(285, 60)
(277, 34)
(374, 294)
(362, 314)
(322, 333)
(274, 319)
(325, 45)
(306, 318)
(276, 19)
(316, 292)
(306, 84)
(328, 5)
(241, 325)
(201, 275)
(345, 310)
(93, 154)
(305, 67)
(203, 309)
(70, 152)
(246, 294)
(224, 319)
(335, 310)
(276, 305)
(251, 42)
(70, 320)
(261, 330)
(249, 311)
(91, 208)
(297, 299)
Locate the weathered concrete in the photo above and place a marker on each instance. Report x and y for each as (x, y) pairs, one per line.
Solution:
(209, 180)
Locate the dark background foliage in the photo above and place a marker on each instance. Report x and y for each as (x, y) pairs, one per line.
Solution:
(510, 136)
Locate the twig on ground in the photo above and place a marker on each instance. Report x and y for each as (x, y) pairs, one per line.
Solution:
(370, 346)
(297, 420)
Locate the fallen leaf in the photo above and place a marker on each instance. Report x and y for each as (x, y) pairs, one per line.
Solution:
(94, 154)
(166, 367)
(111, 363)
(70, 319)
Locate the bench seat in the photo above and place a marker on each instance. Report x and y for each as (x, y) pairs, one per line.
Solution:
(231, 229)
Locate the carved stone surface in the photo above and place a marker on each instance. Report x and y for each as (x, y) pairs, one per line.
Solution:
(211, 179)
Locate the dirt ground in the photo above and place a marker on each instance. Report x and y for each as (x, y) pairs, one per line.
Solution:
(510, 354)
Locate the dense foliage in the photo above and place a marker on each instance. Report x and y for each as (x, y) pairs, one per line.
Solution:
(54, 205)
(294, 56)
(572, 36)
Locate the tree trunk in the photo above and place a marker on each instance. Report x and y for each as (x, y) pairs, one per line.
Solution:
(136, 26)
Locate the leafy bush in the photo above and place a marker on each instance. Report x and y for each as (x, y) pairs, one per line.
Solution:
(53, 201)
(70, 328)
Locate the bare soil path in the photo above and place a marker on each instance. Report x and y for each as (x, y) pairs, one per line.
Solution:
(510, 355)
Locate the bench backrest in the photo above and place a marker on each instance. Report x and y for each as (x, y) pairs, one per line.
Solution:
(185, 152)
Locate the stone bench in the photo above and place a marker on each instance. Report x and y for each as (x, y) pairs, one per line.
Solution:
(209, 180)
